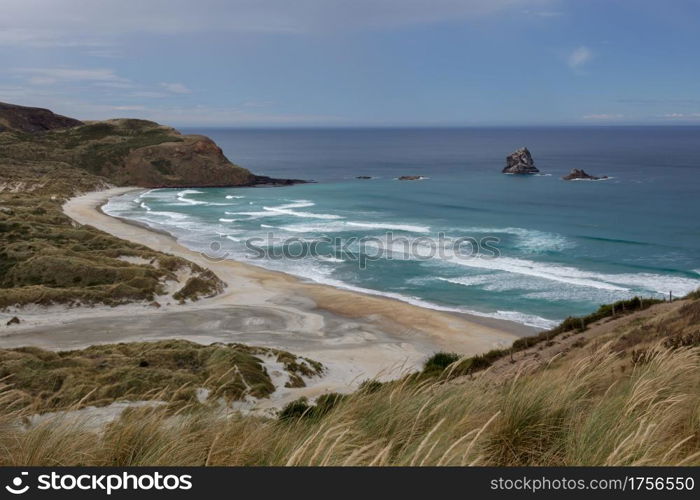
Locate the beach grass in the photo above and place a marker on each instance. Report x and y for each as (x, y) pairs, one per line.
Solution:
(45, 258)
(172, 370)
(602, 404)
(575, 414)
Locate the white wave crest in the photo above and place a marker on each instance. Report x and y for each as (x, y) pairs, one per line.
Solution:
(182, 197)
(622, 282)
(528, 240)
(390, 226)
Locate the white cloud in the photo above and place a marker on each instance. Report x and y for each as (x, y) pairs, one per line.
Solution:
(604, 116)
(176, 88)
(681, 116)
(46, 76)
(46, 37)
(65, 23)
(148, 94)
(544, 13)
(579, 56)
(256, 104)
(128, 108)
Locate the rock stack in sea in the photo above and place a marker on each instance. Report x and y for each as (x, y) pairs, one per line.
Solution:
(520, 162)
(580, 174)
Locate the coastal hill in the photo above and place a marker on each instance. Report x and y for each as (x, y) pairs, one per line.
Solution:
(46, 159)
(59, 151)
(24, 119)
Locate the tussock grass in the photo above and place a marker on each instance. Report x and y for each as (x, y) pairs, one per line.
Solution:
(586, 412)
(44, 381)
(46, 259)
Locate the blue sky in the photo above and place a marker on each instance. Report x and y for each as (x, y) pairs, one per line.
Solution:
(357, 62)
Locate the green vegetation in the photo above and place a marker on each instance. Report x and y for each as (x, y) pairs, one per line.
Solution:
(452, 365)
(300, 408)
(439, 361)
(122, 152)
(605, 311)
(206, 284)
(46, 258)
(172, 370)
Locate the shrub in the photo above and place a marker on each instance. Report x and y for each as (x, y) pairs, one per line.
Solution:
(439, 361)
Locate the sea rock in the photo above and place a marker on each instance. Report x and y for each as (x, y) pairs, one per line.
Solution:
(13, 321)
(410, 177)
(578, 173)
(520, 162)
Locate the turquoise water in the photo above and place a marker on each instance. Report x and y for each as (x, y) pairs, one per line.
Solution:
(563, 247)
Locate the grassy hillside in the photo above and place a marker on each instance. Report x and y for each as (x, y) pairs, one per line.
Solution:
(629, 394)
(46, 258)
(122, 152)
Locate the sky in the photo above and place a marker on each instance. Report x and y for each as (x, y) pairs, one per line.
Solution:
(335, 63)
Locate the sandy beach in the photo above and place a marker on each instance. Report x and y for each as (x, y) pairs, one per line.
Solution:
(357, 336)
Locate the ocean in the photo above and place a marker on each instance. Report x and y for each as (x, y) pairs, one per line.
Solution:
(532, 249)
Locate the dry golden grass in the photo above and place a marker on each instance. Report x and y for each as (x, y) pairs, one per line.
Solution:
(583, 411)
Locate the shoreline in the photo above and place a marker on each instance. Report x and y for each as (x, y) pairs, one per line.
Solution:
(513, 327)
(356, 336)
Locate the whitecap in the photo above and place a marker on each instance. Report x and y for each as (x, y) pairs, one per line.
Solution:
(593, 180)
(528, 240)
(181, 196)
(622, 282)
(170, 215)
(466, 280)
(330, 259)
(390, 226)
(283, 210)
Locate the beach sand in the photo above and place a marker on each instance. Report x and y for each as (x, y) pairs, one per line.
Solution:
(357, 336)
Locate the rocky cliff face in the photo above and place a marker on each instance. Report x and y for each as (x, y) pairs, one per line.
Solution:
(194, 160)
(520, 162)
(23, 119)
